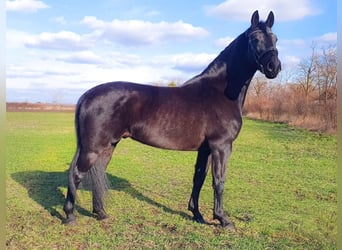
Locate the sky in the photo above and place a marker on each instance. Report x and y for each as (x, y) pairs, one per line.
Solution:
(56, 50)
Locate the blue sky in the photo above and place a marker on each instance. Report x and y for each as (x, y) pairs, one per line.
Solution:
(58, 49)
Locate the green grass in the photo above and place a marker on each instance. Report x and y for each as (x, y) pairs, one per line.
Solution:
(280, 191)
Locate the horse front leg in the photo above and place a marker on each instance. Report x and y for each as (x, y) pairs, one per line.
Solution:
(201, 169)
(219, 164)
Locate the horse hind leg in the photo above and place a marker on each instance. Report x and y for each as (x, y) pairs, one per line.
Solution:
(74, 179)
(98, 181)
(81, 164)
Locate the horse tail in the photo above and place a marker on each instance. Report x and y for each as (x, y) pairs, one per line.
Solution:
(72, 173)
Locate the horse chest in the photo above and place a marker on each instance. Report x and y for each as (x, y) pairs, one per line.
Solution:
(224, 124)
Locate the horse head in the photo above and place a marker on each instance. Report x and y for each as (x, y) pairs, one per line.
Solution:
(262, 45)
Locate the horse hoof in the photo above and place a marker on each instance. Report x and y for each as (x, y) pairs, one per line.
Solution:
(70, 221)
(225, 222)
(199, 220)
(229, 226)
(102, 216)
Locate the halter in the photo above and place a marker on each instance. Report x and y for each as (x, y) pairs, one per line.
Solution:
(258, 56)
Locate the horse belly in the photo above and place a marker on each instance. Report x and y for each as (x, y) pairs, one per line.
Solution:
(174, 138)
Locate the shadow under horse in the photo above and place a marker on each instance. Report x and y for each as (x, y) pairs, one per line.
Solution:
(44, 188)
(203, 115)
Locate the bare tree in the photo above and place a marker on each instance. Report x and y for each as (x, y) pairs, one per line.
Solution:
(259, 90)
(306, 76)
(327, 83)
(327, 68)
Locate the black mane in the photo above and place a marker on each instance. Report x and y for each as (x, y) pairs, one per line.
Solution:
(234, 59)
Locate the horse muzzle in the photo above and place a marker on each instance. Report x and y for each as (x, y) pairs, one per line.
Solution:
(270, 65)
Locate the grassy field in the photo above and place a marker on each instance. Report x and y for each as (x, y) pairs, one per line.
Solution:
(280, 192)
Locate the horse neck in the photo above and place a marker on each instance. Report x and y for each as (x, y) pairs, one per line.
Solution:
(230, 72)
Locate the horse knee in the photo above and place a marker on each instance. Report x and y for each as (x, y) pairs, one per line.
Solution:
(219, 187)
(86, 161)
(78, 177)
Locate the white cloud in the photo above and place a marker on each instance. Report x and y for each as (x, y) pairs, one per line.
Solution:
(126, 59)
(138, 32)
(224, 42)
(190, 62)
(60, 20)
(34, 71)
(28, 6)
(93, 22)
(15, 38)
(328, 38)
(63, 40)
(290, 60)
(141, 11)
(85, 69)
(81, 57)
(294, 42)
(286, 45)
(284, 10)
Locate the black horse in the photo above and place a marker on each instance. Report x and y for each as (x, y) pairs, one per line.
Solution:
(203, 115)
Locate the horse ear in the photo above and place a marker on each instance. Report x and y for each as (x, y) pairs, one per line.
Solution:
(255, 19)
(270, 20)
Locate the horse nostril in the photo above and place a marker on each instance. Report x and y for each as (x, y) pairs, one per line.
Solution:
(270, 66)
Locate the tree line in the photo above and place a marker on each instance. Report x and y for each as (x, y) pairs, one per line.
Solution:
(307, 97)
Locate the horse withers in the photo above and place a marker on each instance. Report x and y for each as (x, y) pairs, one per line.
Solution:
(204, 115)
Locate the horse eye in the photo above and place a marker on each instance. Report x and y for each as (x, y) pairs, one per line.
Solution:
(255, 40)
